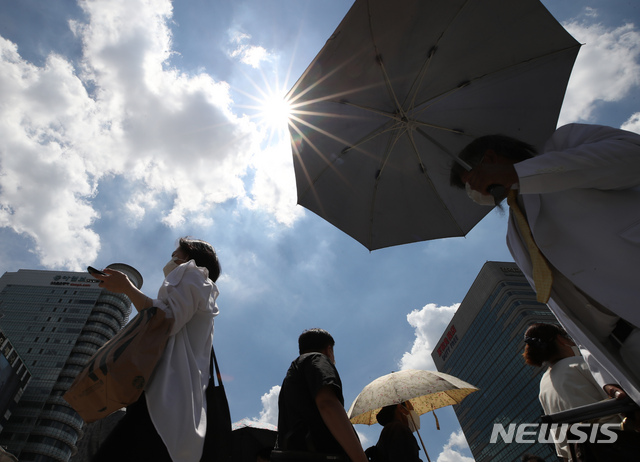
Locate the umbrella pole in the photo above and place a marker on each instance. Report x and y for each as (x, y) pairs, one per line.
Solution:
(423, 448)
(415, 425)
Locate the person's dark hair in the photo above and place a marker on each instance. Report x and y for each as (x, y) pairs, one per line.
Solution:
(386, 414)
(203, 254)
(540, 343)
(314, 340)
(472, 154)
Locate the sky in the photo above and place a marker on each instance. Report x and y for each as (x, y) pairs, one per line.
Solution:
(125, 124)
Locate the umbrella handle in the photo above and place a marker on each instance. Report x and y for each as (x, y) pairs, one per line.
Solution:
(423, 448)
(415, 425)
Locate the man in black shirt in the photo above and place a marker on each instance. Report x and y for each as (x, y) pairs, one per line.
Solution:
(311, 415)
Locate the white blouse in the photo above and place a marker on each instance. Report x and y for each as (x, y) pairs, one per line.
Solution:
(176, 390)
(566, 385)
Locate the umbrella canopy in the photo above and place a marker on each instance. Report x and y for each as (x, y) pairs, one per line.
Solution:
(400, 88)
(426, 390)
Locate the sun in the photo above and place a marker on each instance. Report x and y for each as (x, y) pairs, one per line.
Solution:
(274, 111)
(268, 107)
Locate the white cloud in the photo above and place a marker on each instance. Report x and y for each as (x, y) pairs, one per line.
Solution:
(123, 112)
(252, 55)
(274, 186)
(633, 123)
(429, 323)
(46, 179)
(608, 55)
(591, 12)
(269, 412)
(451, 450)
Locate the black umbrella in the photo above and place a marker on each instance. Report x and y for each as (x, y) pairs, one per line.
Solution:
(401, 87)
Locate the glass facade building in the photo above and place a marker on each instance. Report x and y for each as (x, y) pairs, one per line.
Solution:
(56, 321)
(483, 345)
(14, 377)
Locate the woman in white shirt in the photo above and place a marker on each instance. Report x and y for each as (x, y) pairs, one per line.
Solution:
(168, 422)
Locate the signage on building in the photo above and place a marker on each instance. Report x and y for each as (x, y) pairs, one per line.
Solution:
(448, 343)
(73, 281)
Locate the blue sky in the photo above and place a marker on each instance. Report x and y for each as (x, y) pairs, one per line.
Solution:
(125, 124)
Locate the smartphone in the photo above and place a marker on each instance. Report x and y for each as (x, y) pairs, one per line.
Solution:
(92, 270)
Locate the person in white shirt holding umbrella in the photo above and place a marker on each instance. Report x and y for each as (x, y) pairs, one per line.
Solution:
(574, 231)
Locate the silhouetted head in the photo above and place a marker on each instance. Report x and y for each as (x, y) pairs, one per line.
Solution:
(315, 340)
(203, 254)
(541, 343)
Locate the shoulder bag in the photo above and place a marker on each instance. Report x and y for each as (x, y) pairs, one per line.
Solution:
(217, 441)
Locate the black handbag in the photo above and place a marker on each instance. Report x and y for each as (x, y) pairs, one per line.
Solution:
(217, 441)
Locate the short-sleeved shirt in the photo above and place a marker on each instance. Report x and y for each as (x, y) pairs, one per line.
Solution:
(300, 425)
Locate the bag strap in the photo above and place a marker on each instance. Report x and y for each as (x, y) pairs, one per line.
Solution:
(217, 368)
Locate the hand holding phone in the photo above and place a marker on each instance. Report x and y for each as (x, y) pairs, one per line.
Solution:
(94, 271)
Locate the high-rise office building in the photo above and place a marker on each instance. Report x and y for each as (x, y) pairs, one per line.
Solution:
(14, 377)
(483, 345)
(56, 321)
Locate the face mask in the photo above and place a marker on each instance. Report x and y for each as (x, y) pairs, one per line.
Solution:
(169, 267)
(478, 197)
(414, 421)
